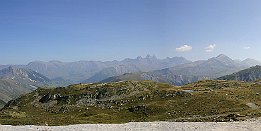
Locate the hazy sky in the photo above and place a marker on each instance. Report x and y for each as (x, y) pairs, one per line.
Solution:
(72, 30)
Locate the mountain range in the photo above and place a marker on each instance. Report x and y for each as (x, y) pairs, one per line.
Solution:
(175, 70)
(16, 80)
(95, 71)
(190, 72)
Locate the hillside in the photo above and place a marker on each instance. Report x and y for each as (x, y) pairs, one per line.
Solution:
(248, 75)
(128, 101)
(110, 72)
(17, 81)
(10, 89)
(191, 72)
(124, 77)
(2, 103)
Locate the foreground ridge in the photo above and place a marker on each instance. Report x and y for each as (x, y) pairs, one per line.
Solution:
(135, 101)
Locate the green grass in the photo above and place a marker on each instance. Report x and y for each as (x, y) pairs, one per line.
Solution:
(128, 101)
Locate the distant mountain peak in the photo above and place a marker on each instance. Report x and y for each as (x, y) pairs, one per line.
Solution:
(250, 60)
(10, 71)
(11, 68)
(151, 57)
(139, 58)
(224, 59)
(55, 61)
(222, 56)
(147, 57)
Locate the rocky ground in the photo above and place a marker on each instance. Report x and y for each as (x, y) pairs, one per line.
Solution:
(250, 125)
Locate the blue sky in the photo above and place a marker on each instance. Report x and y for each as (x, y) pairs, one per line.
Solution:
(72, 30)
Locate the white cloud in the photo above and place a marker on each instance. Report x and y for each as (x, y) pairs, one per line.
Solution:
(210, 47)
(247, 47)
(184, 48)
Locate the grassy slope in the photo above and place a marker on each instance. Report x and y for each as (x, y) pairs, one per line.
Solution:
(2, 103)
(124, 77)
(248, 75)
(9, 89)
(127, 101)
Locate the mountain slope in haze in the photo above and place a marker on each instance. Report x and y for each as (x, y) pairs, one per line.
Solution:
(94, 71)
(186, 73)
(149, 63)
(110, 72)
(125, 77)
(23, 75)
(3, 66)
(17, 81)
(176, 70)
(69, 71)
(248, 75)
(153, 76)
(140, 64)
(135, 101)
(250, 62)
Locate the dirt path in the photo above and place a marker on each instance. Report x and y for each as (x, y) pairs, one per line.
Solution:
(253, 125)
